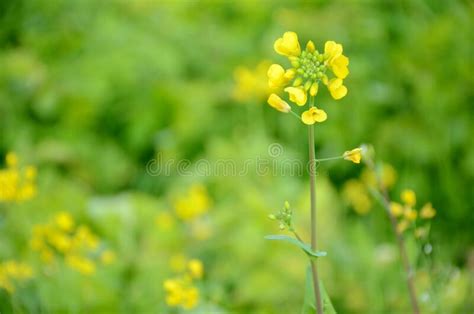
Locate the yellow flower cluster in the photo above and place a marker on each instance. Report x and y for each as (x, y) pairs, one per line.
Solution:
(406, 214)
(181, 291)
(192, 204)
(17, 184)
(12, 272)
(309, 68)
(78, 245)
(251, 84)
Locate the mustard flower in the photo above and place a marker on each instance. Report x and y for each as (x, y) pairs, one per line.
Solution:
(251, 83)
(355, 192)
(313, 115)
(193, 204)
(427, 211)
(408, 197)
(279, 104)
(309, 69)
(396, 209)
(354, 155)
(181, 291)
(13, 272)
(17, 184)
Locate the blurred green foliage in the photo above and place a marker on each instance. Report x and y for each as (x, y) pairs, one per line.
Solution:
(91, 91)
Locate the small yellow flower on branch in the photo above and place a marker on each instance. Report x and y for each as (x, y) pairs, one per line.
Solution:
(279, 104)
(288, 45)
(408, 197)
(313, 115)
(396, 209)
(427, 211)
(354, 155)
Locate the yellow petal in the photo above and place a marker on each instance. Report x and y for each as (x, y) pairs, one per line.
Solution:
(396, 209)
(339, 66)
(427, 211)
(276, 76)
(336, 88)
(288, 45)
(313, 115)
(354, 155)
(332, 50)
(307, 118)
(297, 95)
(279, 104)
(310, 46)
(408, 197)
(314, 89)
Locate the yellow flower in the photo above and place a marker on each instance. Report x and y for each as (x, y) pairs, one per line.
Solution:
(427, 211)
(191, 297)
(354, 155)
(356, 194)
(181, 292)
(251, 84)
(336, 88)
(297, 95)
(402, 226)
(12, 272)
(195, 268)
(314, 89)
(310, 46)
(277, 76)
(313, 115)
(421, 232)
(408, 197)
(410, 213)
(279, 104)
(288, 45)
(396, 209)
(82, 264)
(11, 160)
(16, 185)
(332, 50)
(64, 221)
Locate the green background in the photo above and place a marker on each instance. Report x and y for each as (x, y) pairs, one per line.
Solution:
(91, 91)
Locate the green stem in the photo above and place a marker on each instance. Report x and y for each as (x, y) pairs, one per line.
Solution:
(295, 114)
(329, 158)
(312, 178)
(384, 199)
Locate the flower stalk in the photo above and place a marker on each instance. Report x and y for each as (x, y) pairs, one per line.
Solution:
(312, 178)
(384, 199)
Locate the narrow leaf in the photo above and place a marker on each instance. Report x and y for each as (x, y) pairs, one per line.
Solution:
(305, 247)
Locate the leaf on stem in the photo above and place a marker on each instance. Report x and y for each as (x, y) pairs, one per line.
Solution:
(305, 247)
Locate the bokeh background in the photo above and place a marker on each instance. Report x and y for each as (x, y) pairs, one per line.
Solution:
(92, 91)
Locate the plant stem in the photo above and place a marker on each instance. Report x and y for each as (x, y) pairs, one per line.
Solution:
(312, 178)
(385, 200)
(330, 158)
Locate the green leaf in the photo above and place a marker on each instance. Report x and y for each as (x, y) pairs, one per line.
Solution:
(309, 305)
(305, 247)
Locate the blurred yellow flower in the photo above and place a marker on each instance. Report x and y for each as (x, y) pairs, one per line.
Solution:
(64, 221)
(396, 209)
(408, 197)
(427, 211)
(410, 214)
(16, 184)
(356, 194)
(402, 226)
(181, 291)
(251, 84)
(388, 176)
(195, 268)
(78, 246)
(313, 115)
(192, 204)
(354, 155)
(12, 272)
(279, 104)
